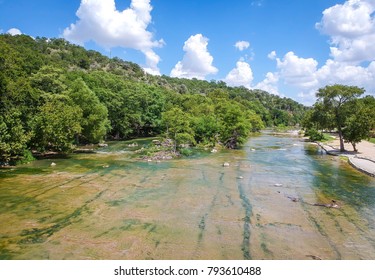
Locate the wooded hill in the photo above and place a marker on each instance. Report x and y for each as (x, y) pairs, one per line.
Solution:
(54, 95)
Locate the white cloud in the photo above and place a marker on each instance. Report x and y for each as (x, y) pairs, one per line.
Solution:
(242, 45)
(304, 75)
(242, 75)
(197, 61)
(296, 71)
(351, 27)
(101, 22)
(344, 73)
(269, 84)
(14, 31)
(272, 55)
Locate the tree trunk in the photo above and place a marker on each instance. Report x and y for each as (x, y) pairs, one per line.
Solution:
(355, 147)
(342, 147)
(175, 143)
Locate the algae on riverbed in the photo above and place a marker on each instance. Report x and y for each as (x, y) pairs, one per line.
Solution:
(112, 206)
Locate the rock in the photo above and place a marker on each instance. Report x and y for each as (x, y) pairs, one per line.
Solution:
(53, 164)
(239, 177)
(214, 151)
(156, 142)
(292, 198)
(333, 204)
(278, 185)
(253, 150)
(102, 145)
(225, 164)
(167, 143)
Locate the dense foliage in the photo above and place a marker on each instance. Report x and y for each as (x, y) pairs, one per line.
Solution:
(54, 95)
(340, 108)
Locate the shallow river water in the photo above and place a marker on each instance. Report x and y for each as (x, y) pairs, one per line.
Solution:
(111, 206)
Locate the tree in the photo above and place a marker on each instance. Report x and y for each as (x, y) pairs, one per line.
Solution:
(56, 124)
(234, 125)
(360, 121)
(94, 120)
(332, 100)
(178, 127)
(13, 139)
(315, 120)
(206, 129)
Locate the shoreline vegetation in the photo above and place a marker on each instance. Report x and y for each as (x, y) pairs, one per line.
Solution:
(56, 96)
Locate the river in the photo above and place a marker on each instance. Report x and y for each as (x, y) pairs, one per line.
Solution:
(109, 205)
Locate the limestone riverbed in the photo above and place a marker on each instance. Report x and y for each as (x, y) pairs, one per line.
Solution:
(110, 205)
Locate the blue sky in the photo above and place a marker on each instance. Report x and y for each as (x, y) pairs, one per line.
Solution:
(289, 48)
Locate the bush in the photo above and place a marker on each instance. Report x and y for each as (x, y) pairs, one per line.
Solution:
(186, 152)
(26, 158)
(314, 134)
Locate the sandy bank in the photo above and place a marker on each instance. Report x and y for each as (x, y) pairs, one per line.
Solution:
(363, 160)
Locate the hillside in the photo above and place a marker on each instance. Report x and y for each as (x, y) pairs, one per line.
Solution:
(54, 95)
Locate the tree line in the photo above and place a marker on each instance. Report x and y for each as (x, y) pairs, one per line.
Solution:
(55, 95)
(342, 109)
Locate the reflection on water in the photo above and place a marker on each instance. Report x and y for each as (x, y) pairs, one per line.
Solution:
(111, 206)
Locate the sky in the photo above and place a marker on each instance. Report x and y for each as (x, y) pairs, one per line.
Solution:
(289, 48)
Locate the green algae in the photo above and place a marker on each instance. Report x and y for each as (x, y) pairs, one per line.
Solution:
(110, 205)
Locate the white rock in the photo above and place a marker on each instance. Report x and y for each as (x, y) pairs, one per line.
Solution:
(225, 164)
(53, 164)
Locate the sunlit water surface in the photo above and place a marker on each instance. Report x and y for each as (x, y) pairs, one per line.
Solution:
(111, 206)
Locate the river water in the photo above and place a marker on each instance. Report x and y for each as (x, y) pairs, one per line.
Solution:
(111, 206)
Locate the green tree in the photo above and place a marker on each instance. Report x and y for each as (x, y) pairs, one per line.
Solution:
(315, 120)
(56, 124)
(360, 121)
(178, 128)
(206, 129)
(234, 125)
(13, 138)
(94, 120)
(332, 100)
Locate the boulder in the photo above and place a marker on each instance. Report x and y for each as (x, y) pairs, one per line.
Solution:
(102, 145)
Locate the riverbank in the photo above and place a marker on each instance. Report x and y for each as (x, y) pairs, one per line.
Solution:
(363, 160)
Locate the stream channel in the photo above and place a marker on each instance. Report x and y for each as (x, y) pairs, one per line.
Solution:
(109, 205)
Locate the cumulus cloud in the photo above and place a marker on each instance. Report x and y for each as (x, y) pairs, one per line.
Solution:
(269, 84)
(344, 73)
(351, 27)
(241, 75)
(197, 61)
(101, 22)
(306, 77)
(298, 71)
(14, 31)
(272, 55)
(242, 45)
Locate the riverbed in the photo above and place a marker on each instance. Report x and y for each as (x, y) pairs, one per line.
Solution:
(110, 205)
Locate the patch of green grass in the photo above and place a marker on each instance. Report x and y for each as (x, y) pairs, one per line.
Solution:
(372, 140)
(326, 137)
